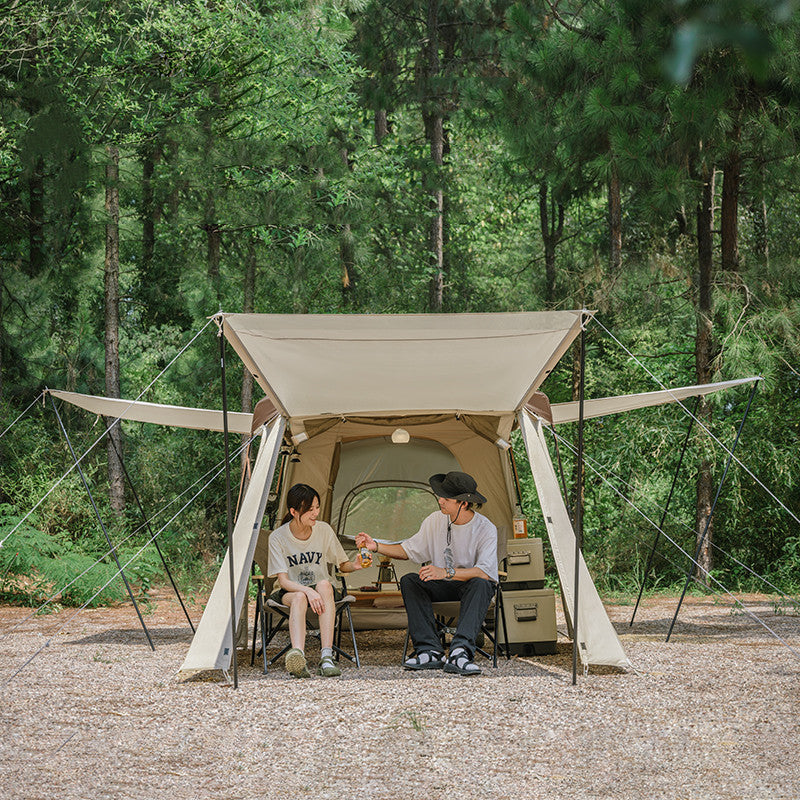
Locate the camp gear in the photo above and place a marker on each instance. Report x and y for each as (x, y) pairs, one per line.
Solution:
(524, 564)
(530, 622)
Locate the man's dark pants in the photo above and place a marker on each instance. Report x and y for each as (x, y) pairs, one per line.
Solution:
(475, 595)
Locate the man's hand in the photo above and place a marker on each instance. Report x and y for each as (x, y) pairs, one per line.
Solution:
(315, 600)
(365, 540)
(431, 573)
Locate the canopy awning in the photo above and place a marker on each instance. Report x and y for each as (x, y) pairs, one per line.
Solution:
(319, 364)
(601, 406)
(178, 416)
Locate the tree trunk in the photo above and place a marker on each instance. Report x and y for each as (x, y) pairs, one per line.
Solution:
(2, 331)
(248, 307)
(552, 232)
(111, 316)
(36, 256)
(434, 132)
(614, 223)
(758, 209)
(704, 355)
(381, 126)
(729, 223)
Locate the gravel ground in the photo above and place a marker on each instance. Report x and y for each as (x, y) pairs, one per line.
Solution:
(96, 714)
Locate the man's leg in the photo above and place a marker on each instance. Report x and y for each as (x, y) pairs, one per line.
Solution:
(417, 598)
(476, 595)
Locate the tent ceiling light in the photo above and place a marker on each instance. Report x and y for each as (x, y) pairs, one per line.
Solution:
(400, 436)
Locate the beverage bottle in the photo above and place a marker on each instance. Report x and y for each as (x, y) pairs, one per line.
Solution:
(366, 557)
(520, 524)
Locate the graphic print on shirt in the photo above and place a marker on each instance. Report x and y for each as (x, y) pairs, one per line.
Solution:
(305, 576)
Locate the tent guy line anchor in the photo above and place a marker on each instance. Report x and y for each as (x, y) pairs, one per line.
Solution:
(702, 539)
(150, 530)
(100, 437)
(665, 511)
(103, 527)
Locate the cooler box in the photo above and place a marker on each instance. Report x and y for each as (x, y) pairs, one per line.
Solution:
(524, 564)
(530, 622)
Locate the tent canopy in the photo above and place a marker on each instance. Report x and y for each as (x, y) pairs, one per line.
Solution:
(319, 364)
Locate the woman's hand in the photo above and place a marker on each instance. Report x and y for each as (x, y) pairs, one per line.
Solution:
(365, 540)
(315, 600)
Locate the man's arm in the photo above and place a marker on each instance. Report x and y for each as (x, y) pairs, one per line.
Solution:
(431, 573)
(391, 550)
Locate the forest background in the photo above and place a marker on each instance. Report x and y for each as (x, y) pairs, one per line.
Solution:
(162, 161)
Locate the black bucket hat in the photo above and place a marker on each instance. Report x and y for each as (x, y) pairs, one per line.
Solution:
(456, 486)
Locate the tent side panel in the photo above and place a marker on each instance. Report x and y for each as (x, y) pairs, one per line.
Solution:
(598, 642)
(211, 646)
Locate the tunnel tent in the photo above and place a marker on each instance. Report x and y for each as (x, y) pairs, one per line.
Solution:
(341, 385)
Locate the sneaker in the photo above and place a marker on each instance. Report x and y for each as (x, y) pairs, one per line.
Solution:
(327, 667)
(460, 663)
(425, 660)
(295, 663)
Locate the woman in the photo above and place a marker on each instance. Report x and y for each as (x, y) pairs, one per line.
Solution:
(299, 553)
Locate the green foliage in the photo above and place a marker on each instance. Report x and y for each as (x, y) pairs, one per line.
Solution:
(249, 141)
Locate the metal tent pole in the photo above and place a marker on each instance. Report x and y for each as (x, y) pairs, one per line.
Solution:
(711, 513)
(579, 504)
(664, 514)
(153, 537)
(112, 549)
(228, 505)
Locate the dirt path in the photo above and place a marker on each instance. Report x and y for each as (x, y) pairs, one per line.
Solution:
(96, 714)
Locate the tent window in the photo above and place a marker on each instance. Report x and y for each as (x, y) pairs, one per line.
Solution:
(388, 512)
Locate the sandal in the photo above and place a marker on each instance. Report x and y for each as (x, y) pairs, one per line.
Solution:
(460, 663)
(425, 660)
(327, 667)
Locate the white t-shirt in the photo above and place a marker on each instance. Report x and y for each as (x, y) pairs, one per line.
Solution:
(473, 544)
(304, 560)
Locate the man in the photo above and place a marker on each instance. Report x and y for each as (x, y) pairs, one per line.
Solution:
(461, 546)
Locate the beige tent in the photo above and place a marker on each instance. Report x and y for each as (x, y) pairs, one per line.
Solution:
(347, 391)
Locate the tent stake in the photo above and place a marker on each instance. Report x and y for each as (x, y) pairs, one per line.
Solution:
(664, 514)
(711, 513)
(153, 537)
(228, 507)
(102, 525)
(579, 505)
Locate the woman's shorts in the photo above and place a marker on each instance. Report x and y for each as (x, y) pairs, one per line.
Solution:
(277, 595)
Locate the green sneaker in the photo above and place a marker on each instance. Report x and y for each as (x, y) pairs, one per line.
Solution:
(328, 668)
(296, 663)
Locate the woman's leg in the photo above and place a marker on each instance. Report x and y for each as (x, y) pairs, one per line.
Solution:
(298, 605)
(328, 615)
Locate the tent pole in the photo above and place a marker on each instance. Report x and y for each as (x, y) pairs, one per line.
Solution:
(664, 514)
(579, 504)
(153, 537)
(228, 506)
(711, 513)
(112, 549)
(561, 471)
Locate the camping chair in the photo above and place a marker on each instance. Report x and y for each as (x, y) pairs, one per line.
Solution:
(273, 617)
(445, 615)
